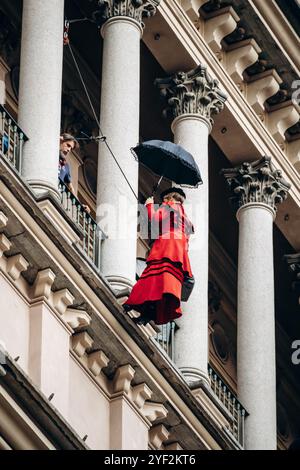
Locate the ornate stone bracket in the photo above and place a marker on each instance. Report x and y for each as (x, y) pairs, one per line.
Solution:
(137, 394)
(193, 92)
(256, 182)
(16, 265)
(135, 9)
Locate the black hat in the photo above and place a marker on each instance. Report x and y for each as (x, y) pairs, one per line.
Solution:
(172, 190)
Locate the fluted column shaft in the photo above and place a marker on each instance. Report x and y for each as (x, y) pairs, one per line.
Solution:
(191, 131)
(256, 189)
(192, 98)
(40, 91)
(256, 368)
(119, 121)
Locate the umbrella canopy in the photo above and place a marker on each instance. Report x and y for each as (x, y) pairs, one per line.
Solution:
(170, 160)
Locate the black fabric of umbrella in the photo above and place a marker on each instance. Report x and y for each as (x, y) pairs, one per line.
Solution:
(169, 160)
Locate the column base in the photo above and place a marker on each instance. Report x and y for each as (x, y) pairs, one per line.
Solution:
(193, 375)
(119, 282)
(41, 188)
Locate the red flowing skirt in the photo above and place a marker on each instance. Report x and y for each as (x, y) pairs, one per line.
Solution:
(161, 282)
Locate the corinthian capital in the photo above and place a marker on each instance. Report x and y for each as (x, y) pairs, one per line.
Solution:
(136, 9)
(256, 182)
(193, 92)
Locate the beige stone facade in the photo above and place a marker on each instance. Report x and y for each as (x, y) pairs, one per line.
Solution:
(223, 80)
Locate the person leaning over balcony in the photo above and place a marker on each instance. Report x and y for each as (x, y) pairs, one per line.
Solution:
(67, 144)
(157, 293)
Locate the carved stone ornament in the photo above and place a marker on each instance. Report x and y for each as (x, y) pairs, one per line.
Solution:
(256, 182)
(136, 9)
(193, 92)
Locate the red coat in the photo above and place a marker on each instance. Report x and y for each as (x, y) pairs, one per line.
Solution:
(161, 282)
(174, 233)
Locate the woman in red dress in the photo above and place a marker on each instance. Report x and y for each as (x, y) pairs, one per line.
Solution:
(157, 293)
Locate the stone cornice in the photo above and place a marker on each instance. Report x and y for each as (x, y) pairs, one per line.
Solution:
(135, 9)
(257, 182)
(193, 92)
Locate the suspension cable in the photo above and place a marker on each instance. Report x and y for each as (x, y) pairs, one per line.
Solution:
(101, 136)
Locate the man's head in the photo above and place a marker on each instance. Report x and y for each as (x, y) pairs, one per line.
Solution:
(67, 143)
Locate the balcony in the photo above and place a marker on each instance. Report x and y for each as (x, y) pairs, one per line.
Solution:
(12, 139)
(91, 234)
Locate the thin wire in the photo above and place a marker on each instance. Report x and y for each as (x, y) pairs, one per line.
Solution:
(102, 137)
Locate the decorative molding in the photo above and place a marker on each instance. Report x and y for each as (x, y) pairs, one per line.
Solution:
(239, 56)
(3, 220)
(122, 379)
(76, 318)
(5, 244)
(135, 9)
(81, 342)
(260, 87)
(140, 393)
(16, 265)
(157, 435)
(192, 7)
(43, 283)
(257, 182)
(153, 411)
(280, 117)
(96, 361)
(217, 25)
(193, 92)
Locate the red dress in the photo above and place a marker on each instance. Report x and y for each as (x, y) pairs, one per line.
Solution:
(159, 288)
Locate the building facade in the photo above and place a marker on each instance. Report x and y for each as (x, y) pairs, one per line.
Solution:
(222, 79)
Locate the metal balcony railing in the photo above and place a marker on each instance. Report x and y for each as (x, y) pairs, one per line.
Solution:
(165, 338)
(166, 341)
(92, 235)
(231, 403)
(12, 139)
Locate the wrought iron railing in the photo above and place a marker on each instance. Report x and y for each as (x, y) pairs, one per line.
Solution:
(12, 139)
(165, 338)
(231, 403)
(92, 235)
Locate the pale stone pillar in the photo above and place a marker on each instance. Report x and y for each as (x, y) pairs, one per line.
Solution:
(40, 91)
(194, 97)
(119, 121)
(256, 188)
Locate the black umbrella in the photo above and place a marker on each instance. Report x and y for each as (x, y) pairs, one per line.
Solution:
(170, 160)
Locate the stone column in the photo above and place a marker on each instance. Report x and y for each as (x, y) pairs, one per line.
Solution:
(192, 98)
(40, 91)
(119, 120)
(257, 188)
